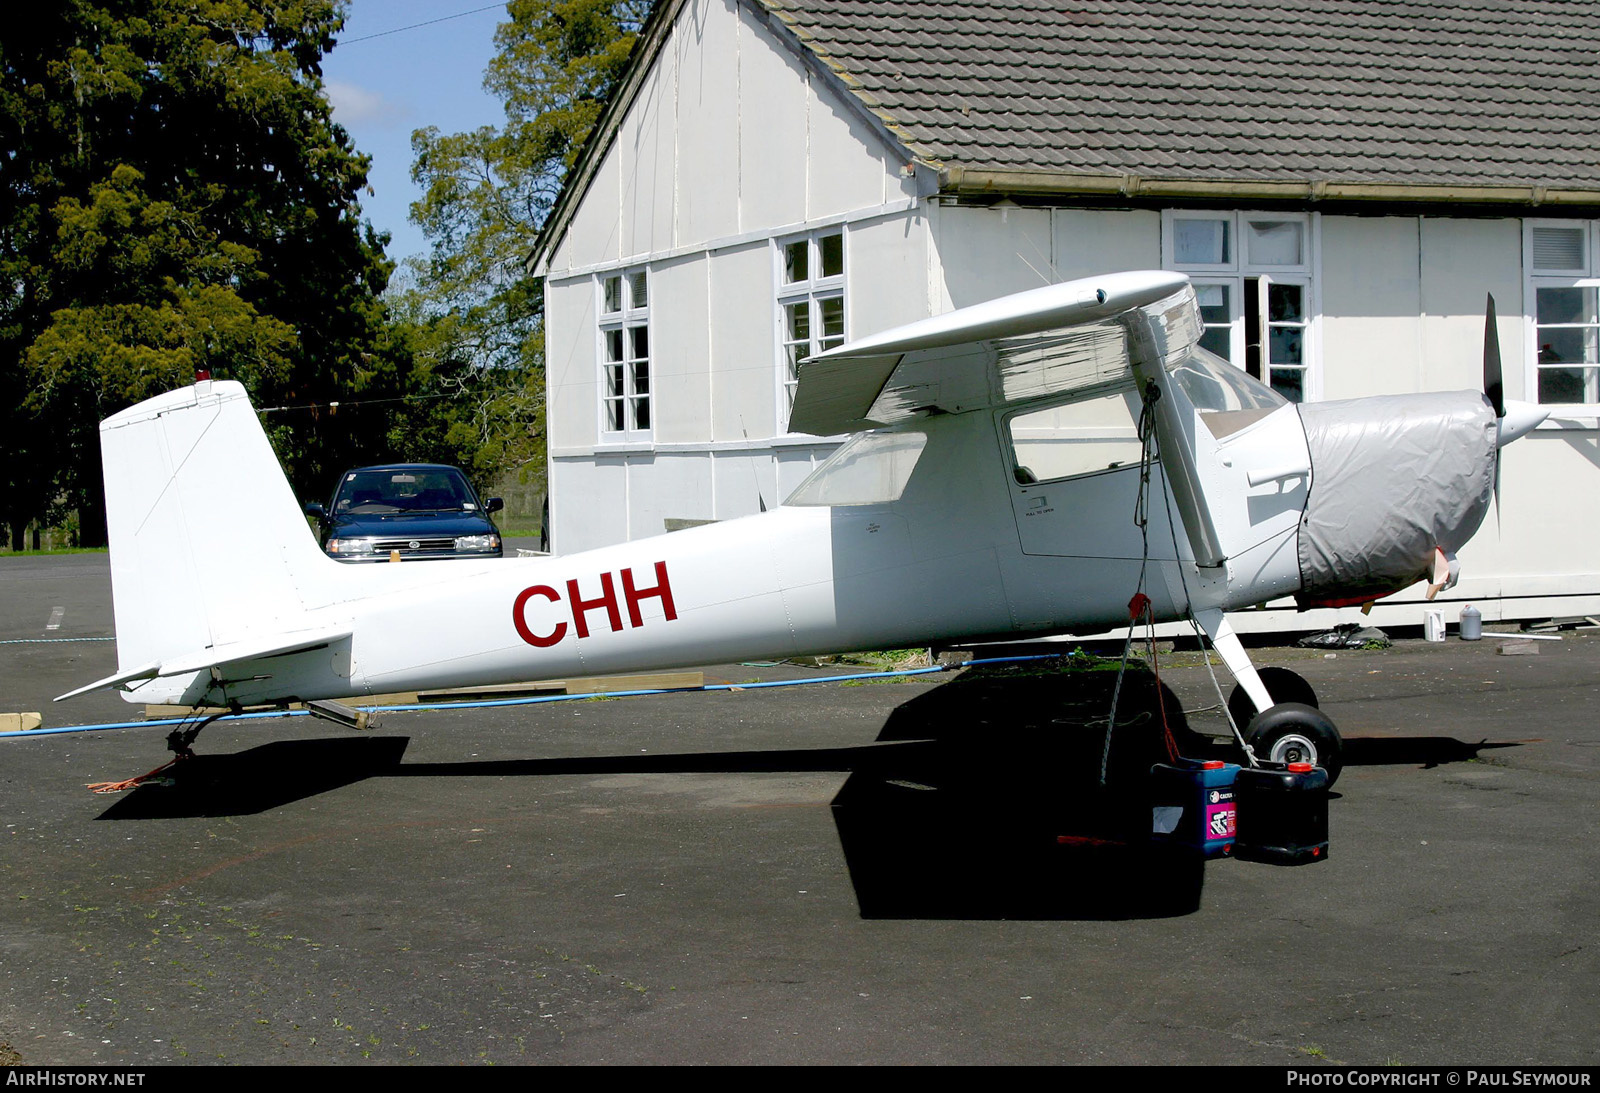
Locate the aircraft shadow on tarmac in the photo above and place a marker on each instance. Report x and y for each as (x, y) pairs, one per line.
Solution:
(262, 778)
(983, 797)
(1022, 808)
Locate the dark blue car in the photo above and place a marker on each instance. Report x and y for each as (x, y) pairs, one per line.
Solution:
(407, 512)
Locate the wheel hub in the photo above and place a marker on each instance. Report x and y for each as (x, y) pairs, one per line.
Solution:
(1294, 748)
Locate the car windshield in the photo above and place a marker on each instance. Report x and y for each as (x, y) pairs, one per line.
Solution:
(381, 492)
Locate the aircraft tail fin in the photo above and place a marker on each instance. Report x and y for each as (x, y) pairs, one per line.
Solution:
(209, 548)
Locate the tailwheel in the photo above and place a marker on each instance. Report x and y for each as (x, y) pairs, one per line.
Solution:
(1294, 732)
(1282, 684)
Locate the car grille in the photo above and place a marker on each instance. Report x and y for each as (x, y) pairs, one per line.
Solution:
(415, 546)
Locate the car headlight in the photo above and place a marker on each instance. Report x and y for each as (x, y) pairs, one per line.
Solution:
(351, 546)
(478, 543)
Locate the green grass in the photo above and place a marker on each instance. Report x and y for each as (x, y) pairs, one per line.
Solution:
(885, 660)
(43, 553)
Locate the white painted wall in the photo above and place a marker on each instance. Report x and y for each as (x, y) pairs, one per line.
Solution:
(1371, 297)
(708, 107)
(681, 322)
(1091, 241)
(571, 382)
(989, 252)
(984, 253)
(742, 324)
(1462, 261)
(730, 133)
(594, 234)
(887, 286)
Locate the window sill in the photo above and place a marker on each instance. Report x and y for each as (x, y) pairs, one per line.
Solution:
(1580, 420)
(629, 446)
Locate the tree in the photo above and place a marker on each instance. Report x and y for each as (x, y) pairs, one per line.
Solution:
(175, 196)
(478, 315)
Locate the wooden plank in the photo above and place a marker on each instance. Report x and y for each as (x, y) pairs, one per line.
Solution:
(399, 698)
(653, 681)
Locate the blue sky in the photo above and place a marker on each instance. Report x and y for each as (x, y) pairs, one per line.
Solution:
(384, 87)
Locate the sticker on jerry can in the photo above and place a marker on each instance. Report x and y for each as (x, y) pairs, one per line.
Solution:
(1222, 817)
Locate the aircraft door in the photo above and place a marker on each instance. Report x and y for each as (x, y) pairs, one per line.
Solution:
(1075, 479)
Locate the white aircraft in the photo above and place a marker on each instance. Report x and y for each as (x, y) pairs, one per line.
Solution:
(983, 497)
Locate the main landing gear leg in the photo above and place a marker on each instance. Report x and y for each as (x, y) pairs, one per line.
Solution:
(1228, 646)
(1285, 729)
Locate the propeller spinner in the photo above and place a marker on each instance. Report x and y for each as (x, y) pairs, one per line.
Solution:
(1515, 418)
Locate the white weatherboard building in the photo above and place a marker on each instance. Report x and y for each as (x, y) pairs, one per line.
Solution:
(1343, 183)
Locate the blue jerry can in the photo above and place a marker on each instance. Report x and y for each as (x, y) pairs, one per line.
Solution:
(1192, 805)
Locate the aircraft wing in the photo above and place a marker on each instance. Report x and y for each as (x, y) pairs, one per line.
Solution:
(1055, 339)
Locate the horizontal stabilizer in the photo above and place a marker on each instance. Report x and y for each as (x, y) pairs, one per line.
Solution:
(142, 672)
(220, 656)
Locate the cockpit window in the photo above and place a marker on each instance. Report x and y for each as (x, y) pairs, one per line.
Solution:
(1087, 436)
(871, 469)
(1213, 384)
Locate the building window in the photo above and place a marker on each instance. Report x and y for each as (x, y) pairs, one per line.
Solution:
(1252, 275)
(1562, 258)
(624, 352)
(810, 305)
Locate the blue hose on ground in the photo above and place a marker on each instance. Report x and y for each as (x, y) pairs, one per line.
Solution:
(534, 699)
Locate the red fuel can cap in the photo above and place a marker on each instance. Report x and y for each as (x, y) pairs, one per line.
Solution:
(1300, 768)
(1213, 764)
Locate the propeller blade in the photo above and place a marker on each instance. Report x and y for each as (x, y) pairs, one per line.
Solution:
(1493, 386)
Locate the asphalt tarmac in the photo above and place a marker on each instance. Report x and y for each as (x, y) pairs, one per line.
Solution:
(838, 873)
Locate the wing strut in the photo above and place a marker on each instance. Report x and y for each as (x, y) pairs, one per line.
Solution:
(1147, 355)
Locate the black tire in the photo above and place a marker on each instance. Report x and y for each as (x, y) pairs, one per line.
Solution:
(1293, 732)
(1282, 684)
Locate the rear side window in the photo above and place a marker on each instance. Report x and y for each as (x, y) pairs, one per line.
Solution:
(871, 469)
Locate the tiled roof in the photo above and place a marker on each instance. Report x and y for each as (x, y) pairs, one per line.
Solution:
(1387, 92)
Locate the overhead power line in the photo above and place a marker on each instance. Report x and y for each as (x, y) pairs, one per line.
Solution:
(414, 26)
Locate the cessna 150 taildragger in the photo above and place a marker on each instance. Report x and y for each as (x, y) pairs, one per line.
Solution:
(981, 498)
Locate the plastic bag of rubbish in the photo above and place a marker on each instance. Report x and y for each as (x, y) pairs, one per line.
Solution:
(1348, 636)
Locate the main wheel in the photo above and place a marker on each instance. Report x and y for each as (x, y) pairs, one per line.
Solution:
(1281, 684)
(1293, 732)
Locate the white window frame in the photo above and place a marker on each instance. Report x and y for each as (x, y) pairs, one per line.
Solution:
(814, 292)
(1239, 266)
(637, 372)
(1585, 276)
